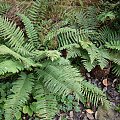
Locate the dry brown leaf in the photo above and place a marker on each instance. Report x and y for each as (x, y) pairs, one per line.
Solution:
(89, 111)
(90, 116)
(105, 82)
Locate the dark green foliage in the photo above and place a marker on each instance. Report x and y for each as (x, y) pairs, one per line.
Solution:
(33, 54)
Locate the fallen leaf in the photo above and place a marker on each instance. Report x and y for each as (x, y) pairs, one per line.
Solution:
(90, 116)
(89, 111)
(96, 115)
(105, 82)
(71, 114)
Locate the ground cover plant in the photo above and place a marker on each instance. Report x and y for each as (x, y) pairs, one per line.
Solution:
(46, 49)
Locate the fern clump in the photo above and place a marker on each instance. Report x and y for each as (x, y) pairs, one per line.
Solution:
(32, 58)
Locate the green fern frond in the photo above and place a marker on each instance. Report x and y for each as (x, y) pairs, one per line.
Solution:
(62, 31)
(113, 44)
(61, 81)
(94, 94)
(83, 18)
(67, 35)
(116, 69)
(73, 50)
(31, 32)
(10, 66)
(103, 57)
(87, 64)
(14, 37)
(46, 105)
(38, 11)
(21, 90)
(26, 61)
(115, 57)
(4, 7)
(64, 79)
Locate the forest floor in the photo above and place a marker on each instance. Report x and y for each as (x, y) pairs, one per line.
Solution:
(109, 85)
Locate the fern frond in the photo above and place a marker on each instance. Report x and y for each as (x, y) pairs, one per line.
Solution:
(26, 61)
(94, 94)
(67, 35)
(46, 105)
(113, 44)
(73, 50)
(83, 18)
(14, 37)
(87, 64)
(38, 11)
(10, 66)
(64, 79)
(116, 69)
(21, 89)
(31, 32)
(4, 7)
(115, 57)
(61, 81)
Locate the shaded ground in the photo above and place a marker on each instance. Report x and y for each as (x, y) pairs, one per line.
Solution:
(109, 85)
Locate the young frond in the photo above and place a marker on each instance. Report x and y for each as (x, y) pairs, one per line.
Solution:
(46, 105)
(14, 37)
(21, 89)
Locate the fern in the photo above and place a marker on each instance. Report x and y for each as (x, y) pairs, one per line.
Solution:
(4, 7)
(10, 66)
(14, 37)
(116, 69)
(31, 32)
(58, 82)
(26, 61)
(46, 105)
(38, 11)
(21, 89)
(113, 41)
(66, 80)
(94, 94)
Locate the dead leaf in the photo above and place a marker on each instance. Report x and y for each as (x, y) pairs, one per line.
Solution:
(90, 116)
(105, 82)
(71, 114)
(89, 111)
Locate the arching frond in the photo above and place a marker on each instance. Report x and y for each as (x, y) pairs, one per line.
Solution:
(38, 10)
(4, 7)
(64, 79)
(10, 66)
(94, 94)
(31, 32)
(46, 105)
(21, 90)
(14, 37)
(6, 51)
